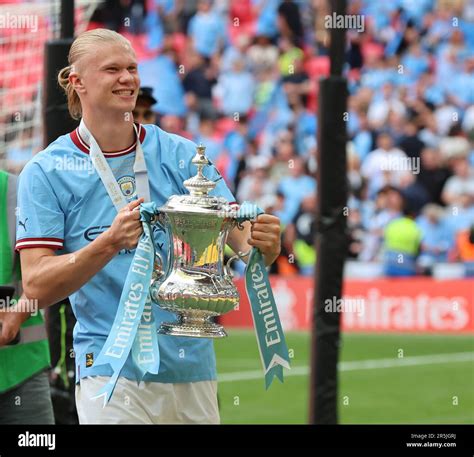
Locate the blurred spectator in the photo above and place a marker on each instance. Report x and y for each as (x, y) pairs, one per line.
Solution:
(355, 229)
(453, 146)
(161, 74)
(207, 29)
(353, 169)
(414, 63)
(410, 142)
(186, 9)
(198, 83)
(429, 133)
(381, 106)
(364, 138)
(445, 116)
(295, 187)
(297, 81)
(263, 55)
(284, 155)
(111, 13)
(468, 121)
(304, 124)
(389, 205)
(386, 165)
(267, 17)
(465, 245)
(461, 87)
(245, 161)
(402, 240)
(461, 185)
(143, 112)
(289, 21)
(207, 138)
(256, 185)
(289, 56)
(301, 235)
(236, 143)
(436, 236)
(433, 174)
(236, 90)
(462, 216)
(237, 52)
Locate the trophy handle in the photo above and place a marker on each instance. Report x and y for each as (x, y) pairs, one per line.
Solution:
(239, 255)
(159, 274)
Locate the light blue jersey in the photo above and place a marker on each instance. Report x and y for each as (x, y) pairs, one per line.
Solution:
(63, 205)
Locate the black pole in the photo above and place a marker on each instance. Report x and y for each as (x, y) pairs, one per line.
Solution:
(67, 18)
(331, 239)
(56, 118)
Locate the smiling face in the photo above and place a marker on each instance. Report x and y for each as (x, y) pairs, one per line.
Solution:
(107, 80)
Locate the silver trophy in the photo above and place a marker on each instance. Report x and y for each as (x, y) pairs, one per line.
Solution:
(196, 284)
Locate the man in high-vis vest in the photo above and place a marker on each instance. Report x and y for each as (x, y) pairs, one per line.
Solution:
(402, 239)
(24, 387)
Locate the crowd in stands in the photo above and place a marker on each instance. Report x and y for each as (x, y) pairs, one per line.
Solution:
(241, 76)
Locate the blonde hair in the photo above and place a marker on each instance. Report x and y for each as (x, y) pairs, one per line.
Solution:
(79, 48)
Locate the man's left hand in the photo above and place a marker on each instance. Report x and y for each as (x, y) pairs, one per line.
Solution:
(265, 235)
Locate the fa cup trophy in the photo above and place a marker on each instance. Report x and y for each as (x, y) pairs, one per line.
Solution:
(196, 285)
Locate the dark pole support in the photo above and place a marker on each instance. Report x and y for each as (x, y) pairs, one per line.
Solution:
(67, 18)
(331, 240)
(56, 118)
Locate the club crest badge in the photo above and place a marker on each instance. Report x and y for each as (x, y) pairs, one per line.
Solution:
(127, 186)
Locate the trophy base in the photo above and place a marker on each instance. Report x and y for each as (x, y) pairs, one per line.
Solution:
(193, 327)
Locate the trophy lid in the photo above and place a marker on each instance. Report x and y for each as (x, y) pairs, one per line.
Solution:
(198, 200)
(199, 185)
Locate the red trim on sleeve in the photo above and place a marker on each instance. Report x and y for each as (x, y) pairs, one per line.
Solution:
(51, 243)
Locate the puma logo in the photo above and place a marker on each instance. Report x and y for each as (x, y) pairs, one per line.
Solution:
(23, 224)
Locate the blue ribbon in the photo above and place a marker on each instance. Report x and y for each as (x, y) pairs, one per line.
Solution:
(270, 337)
(134, 327)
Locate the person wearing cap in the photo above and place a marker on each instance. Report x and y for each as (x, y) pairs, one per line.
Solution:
(143, 112)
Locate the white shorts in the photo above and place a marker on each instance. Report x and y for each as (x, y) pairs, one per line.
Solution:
(148, 403)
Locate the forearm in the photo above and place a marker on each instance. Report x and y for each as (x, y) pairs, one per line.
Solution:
(54, 278)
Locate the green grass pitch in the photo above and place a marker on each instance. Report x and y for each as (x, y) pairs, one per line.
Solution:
(383, 379)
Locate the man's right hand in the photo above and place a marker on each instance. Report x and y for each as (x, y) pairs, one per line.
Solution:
(126, 228)
(49, 278)
(11, 321)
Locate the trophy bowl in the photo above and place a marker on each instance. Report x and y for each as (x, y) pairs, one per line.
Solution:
(196, 285)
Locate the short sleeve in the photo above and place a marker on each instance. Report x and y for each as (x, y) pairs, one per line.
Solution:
(39, 218)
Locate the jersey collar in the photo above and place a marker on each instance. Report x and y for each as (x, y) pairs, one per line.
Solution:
(84, 147)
